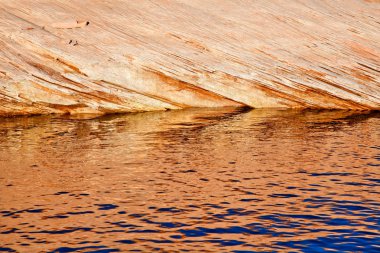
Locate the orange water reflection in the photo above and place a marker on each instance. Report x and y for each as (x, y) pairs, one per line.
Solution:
(218, 180)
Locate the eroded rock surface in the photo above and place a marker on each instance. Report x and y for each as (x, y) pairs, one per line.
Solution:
(95, 56)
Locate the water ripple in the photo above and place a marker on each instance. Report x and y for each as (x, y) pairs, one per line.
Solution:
(210, 180)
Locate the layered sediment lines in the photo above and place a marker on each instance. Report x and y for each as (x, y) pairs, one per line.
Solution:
(95, 56)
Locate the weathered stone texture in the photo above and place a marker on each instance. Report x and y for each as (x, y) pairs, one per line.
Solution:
(151, 55)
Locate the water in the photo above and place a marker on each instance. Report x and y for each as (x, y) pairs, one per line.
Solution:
(211, 180)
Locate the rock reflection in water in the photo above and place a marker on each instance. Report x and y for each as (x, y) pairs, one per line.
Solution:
(218, 180)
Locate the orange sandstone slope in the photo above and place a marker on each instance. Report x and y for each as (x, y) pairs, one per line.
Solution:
(98, 56)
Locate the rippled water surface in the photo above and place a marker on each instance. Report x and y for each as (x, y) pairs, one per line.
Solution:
(226, 180)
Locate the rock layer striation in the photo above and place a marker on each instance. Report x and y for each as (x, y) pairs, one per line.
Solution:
(94, 56)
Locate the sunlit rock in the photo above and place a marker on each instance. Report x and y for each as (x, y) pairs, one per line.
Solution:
(121, 56)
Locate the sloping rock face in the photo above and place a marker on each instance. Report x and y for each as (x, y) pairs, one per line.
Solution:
(93, 56)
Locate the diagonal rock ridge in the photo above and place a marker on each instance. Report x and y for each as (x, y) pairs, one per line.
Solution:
(94, 56)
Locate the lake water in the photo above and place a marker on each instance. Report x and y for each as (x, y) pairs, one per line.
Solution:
(199, 180)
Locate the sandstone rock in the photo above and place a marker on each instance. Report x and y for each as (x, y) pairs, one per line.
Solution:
(156, 55)
(69, 24)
